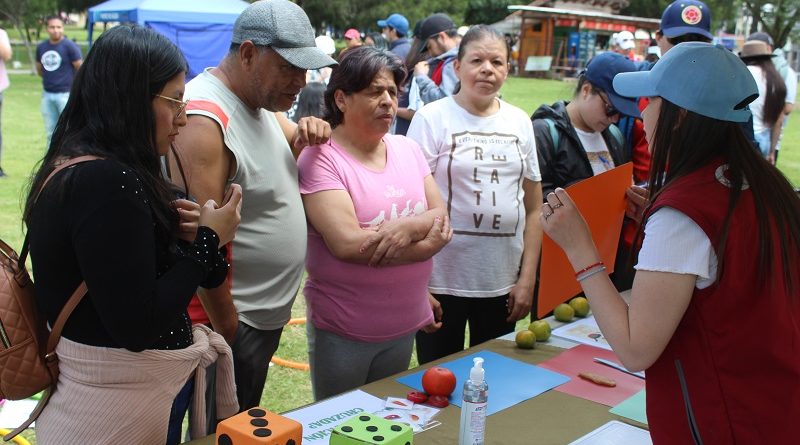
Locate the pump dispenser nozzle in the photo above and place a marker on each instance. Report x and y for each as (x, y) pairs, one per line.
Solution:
(476, 374)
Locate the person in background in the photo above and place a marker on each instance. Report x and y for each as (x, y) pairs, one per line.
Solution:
(310, 102)
(625, 44)
(237, 131)
(5, 56)
(128, 351)
(482, 154)
(769, 106)
(328, 46)
(395, 29)
(377, 40)
(375, 220)
(789, 77)
(352, 39)
(409, 100)
(57, 61)
(700, 290)
(653, 52)
(578, 139)
(436, 77)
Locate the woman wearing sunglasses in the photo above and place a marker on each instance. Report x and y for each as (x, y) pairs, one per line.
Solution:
(576, 140)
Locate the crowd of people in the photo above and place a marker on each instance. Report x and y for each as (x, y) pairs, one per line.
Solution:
(416, 200)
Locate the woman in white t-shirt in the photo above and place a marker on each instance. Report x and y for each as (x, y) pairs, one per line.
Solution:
(579, 139)
(768, 107)
(483, 157)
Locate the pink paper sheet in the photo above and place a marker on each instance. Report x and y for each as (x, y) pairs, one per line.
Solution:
(580, 359)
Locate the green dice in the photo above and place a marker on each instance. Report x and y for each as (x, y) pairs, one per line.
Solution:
(367, 429)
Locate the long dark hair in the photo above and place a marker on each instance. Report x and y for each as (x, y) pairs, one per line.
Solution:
(355, 72)
(110, 112)
(311, 101)
(775, 97)
(685, 141)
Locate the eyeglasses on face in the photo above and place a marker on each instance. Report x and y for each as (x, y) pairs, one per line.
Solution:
(181, 104)
(610, 110)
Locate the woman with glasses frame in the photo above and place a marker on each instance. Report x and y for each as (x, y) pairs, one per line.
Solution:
(127, 350)
(577, 139)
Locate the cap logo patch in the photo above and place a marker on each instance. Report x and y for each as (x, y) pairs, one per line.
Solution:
(691, 15)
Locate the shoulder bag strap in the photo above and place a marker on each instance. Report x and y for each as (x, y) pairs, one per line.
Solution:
(55, 334)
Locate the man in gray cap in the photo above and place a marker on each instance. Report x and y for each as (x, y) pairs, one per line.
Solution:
(237, 133)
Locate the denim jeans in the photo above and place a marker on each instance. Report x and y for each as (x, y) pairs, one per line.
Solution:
(179, 407)
(52, 106)
(764, 140)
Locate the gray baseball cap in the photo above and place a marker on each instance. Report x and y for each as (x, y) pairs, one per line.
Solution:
(284, 27)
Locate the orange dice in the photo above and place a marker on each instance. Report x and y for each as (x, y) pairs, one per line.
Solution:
(258, 426)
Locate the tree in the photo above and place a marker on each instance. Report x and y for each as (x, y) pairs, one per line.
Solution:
(777, 18)
(25, 15)
(487, 11)
(364, 14)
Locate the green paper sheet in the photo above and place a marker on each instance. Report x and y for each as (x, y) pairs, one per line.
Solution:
(633, 408)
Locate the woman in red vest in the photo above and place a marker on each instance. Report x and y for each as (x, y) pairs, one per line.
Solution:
(714, 315)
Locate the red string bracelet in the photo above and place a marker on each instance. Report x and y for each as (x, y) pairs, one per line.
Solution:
(588, 268)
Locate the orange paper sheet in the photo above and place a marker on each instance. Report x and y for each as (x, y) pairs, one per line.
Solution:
(601, 200)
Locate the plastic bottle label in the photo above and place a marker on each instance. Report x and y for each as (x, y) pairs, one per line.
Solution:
(473, 423)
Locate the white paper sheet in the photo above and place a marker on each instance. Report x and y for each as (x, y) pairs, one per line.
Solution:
(14, 412)
(615, 433)
(321, 418)
(583, 330)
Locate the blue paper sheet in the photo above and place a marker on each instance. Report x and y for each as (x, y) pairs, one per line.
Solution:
(510, 381)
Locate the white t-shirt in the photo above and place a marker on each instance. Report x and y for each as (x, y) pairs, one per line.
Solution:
(674, 243)
(479, 164)
(596, 150)
(757, 106)
(791, 85)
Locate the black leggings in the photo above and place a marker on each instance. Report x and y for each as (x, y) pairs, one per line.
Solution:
(486, 317)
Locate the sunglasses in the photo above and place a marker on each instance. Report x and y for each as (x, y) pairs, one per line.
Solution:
(181, 104)
(610, 110)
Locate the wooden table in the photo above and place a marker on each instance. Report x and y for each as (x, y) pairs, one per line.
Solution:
(550, 418)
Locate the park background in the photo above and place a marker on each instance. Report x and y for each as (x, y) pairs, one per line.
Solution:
(24, 139)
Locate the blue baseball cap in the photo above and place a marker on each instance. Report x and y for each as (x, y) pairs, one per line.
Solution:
(686, 17)
(600, 72)
(700, 77)
(396, 21)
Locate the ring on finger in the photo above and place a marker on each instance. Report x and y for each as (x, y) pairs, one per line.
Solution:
(555, 206)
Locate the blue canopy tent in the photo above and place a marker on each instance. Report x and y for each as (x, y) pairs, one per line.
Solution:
(202, 29)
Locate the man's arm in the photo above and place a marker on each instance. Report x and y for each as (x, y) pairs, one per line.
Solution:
(39, 69)
(308, 131)
(77, 57)
(208, 165)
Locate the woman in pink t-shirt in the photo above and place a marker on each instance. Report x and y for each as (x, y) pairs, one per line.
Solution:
(376, 219)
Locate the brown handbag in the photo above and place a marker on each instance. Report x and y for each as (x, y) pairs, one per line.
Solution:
(28, 365)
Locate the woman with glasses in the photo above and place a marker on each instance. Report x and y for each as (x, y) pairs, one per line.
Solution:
(578, 139)
(128, 349)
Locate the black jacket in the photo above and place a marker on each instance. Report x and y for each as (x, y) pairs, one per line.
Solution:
(568, 163)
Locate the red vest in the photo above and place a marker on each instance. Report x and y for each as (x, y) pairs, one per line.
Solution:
(731, 372)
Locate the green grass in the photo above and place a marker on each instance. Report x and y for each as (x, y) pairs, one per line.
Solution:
(24, 145)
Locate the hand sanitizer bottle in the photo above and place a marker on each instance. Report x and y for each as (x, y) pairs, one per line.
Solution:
(473, 407)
